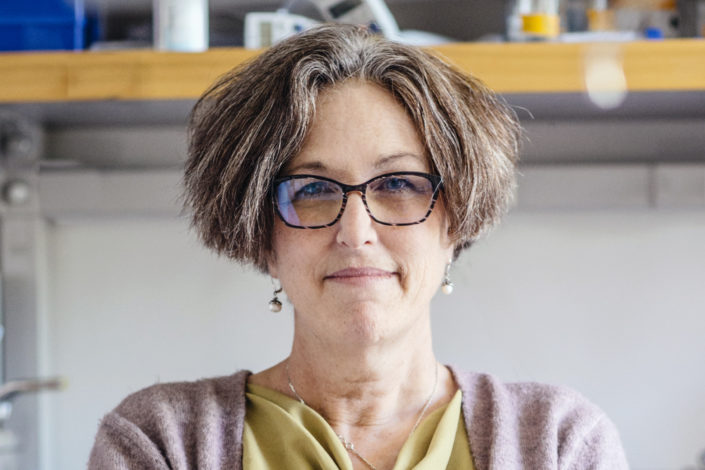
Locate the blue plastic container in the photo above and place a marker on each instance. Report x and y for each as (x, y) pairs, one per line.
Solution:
(42, 25)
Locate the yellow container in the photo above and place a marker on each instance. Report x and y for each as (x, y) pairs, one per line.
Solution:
(541, 25)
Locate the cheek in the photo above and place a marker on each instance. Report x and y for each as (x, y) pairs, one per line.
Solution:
(294, 255)
(422, 256)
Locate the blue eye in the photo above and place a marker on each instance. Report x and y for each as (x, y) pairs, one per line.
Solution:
(313, 190)
(395, 183)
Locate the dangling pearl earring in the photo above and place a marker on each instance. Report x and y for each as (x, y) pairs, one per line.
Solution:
(275, 304)
(446, 285)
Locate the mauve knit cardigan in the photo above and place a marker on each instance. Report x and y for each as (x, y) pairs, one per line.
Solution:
(198, 425)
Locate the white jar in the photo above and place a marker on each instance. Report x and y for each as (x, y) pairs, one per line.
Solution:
(181, 25)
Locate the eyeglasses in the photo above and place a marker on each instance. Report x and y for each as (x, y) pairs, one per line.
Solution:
(400, 198)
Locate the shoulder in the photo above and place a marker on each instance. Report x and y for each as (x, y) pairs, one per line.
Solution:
(171, 401)
(162, 424)
(547, 425)
(531, 400)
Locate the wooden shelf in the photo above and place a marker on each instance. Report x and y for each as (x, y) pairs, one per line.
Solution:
(672, 65)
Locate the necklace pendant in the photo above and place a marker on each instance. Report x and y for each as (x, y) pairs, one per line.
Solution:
(346, 443)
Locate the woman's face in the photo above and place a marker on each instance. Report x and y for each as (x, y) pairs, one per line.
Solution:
(359, 280)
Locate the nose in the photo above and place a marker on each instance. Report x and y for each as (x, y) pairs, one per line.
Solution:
(355, 227)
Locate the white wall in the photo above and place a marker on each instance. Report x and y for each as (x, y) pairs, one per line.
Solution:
(133, 303)
(610, 303)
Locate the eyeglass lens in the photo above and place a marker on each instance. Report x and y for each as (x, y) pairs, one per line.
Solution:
(391, 199)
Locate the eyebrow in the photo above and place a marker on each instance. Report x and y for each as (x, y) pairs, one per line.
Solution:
(380, 163)
(314, 165)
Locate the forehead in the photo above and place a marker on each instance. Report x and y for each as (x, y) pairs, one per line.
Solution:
(359, 128)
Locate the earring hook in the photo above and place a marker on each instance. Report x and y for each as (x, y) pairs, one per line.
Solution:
(447, 286)
(275, 304)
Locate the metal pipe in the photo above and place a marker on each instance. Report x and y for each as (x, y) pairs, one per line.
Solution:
(12, 388)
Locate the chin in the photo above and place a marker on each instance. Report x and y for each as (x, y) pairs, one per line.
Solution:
(371, 324)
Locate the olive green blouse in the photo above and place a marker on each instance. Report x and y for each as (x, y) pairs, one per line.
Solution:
(281, 432)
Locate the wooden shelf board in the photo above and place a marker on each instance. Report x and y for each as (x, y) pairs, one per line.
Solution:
(672, 65)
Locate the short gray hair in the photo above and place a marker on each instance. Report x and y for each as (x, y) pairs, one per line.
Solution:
(254, 119)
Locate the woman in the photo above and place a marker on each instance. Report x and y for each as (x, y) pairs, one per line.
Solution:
(353, 171)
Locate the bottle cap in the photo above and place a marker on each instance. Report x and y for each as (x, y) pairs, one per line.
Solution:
(653, 33)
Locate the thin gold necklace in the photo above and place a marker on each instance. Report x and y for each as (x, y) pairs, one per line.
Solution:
(349, 446)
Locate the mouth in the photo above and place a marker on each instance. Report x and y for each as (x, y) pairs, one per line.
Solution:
(359, 274)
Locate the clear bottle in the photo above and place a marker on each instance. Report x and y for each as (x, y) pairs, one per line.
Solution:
(575, 15)
(600, 16)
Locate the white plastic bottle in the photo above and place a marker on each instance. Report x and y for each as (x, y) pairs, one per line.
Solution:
(181, 25)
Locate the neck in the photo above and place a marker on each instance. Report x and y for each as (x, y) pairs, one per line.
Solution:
(364, 385)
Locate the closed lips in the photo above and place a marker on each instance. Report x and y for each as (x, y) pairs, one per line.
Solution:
(359, 272)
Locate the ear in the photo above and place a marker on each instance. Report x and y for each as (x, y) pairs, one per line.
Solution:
(450, 252)
(272, 265)
(448, 243)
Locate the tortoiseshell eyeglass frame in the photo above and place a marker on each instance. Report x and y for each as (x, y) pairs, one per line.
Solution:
(436, 183)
